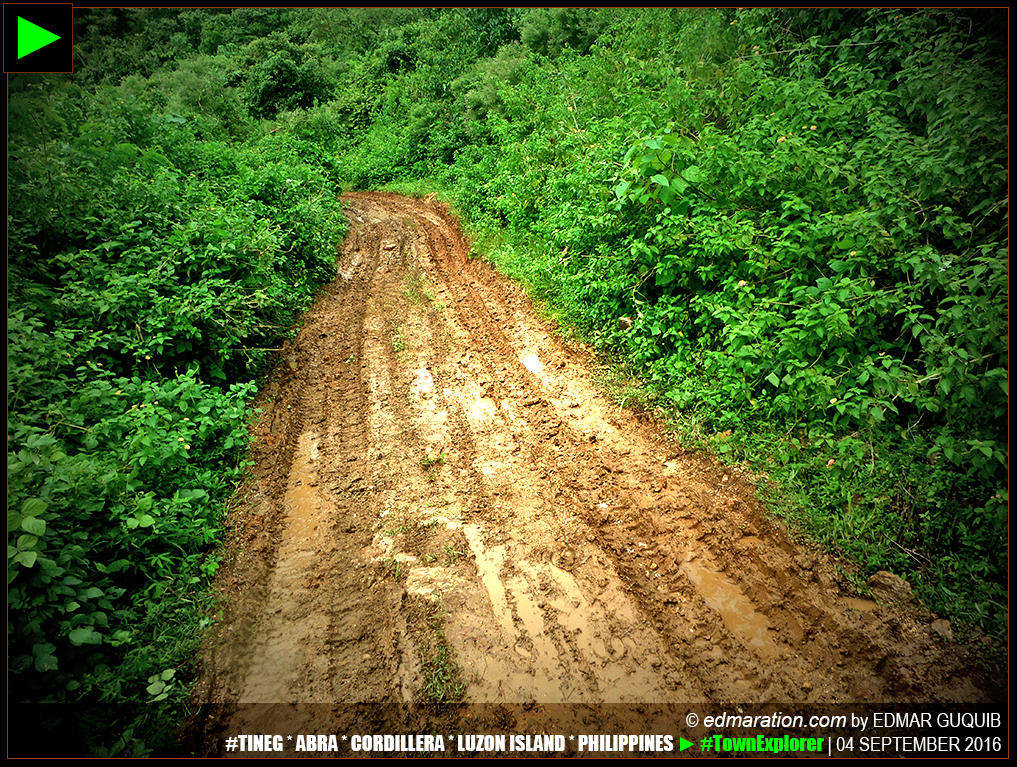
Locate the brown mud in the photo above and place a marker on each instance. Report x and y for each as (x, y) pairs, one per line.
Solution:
(448, 528)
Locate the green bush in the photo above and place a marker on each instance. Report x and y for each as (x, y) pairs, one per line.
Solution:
(136, 327)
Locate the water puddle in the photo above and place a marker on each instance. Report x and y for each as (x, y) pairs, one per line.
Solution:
(301, 491)
(279, 653)
(863, 605)
(540, 676)
(489, 566)
(735, 609)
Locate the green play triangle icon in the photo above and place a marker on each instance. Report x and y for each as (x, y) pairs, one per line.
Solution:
(32, 37)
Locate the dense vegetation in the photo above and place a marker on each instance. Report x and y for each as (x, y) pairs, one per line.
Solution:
(801, 216)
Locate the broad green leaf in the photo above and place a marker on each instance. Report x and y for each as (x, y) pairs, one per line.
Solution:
(26, 558)
(84, 635)
(33, 507)
(34, 526)
(44, 658)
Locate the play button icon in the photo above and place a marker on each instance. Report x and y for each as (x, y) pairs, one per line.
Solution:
(32, 37)
(37, 38)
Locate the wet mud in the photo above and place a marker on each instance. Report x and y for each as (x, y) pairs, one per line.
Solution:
(448, 526)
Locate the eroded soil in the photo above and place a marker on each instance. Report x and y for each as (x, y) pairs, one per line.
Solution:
(438, 485)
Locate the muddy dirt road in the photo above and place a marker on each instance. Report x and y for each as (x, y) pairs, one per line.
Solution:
(448, 526)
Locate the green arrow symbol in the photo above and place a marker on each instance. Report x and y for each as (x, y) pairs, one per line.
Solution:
(32, 37)
(684, 744)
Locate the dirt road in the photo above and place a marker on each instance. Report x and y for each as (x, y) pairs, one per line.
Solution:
(449, 526)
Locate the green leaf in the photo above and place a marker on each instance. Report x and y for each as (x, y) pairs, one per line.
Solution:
(33, 507)
(692, 174)
(26, 558)
(34, 526)
(44, 658)
(84, 635)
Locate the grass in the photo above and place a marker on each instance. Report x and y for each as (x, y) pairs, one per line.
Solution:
(443, 685)
(407, 526)
(452, 555)
(622, 387)
(428, 461)
(394, 566)
(398, 340)
(417, 290)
